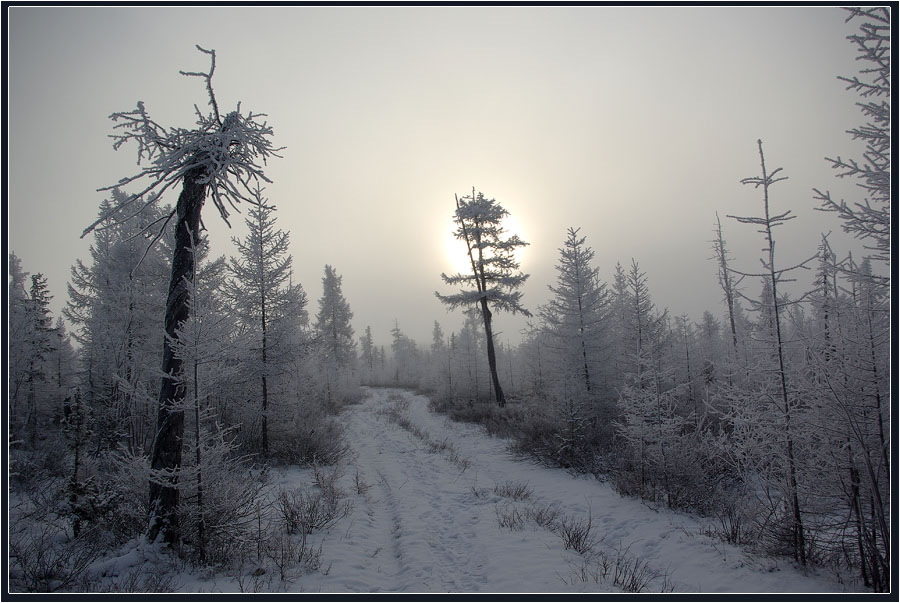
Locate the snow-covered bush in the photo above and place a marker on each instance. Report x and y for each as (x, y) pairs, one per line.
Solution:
(309, 438)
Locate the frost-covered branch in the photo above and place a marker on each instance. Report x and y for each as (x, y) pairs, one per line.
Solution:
(228, 154)
(869, 218)
(208, 77)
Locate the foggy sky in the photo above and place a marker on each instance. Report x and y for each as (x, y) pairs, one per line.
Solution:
(634, 123)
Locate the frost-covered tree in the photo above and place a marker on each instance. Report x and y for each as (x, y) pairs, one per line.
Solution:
(405, 358)
(333, 323)
(367, 353)
(35, 352)
(575, 317)
(495, 277)
(263, 297)
(40, 344)
(656, 433)
(437, 339)
(574, 346)
(777, 390)
(469, 340)
(219, 158)
(534, 361)
(846, 367)
(17, 325)
(436, 361)
(643, 324)
(870, 218)
(116, 305)
(207, 346)
(726, 280)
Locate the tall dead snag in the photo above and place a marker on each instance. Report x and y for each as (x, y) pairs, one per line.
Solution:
(217, 158)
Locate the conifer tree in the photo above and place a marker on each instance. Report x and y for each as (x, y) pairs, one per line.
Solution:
(494, 280)
(18, 327)
(575, 316)
(116, 304)
(40, 342)
(643, 323)
(263, 297)
(333, 322)
(368, 352)
(870, 218)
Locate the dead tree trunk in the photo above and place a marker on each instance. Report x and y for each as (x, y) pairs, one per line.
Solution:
(165, 458)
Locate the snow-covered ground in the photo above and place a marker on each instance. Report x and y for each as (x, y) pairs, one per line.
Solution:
(426, 518)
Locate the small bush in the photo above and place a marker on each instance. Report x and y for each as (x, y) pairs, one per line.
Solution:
(513, 490)
(735, 519)
(155, 578)
(501, 422)
(42, 559)
(576, 533)
(293, 555)
(510, 517)
(312, 439)
(627, 572)
(303, 512)
(545, 516)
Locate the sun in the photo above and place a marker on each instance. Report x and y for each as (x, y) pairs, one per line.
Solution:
(456, 255)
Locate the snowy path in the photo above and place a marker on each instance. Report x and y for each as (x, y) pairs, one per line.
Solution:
(428, 521)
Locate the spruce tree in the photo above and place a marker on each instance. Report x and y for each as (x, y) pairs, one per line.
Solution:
(575, 317)
(333, 322)
(263, 296)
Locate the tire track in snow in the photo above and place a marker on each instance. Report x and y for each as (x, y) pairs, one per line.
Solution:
(368, 556)
(432, 528)
(421, 527)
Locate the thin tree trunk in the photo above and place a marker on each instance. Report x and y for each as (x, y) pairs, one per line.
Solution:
(165, 457)
(726, 281)
(799, 538)
(512, 382)
(856, 508)
(492, 358)
(265, 385)
(201, 527)
(875, 380)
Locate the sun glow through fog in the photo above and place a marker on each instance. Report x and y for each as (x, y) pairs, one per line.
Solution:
(457, 257)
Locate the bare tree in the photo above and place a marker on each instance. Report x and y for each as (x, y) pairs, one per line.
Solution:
(217, 158)
(725, 279)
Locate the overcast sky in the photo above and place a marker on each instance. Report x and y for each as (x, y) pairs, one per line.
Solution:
(634, 123)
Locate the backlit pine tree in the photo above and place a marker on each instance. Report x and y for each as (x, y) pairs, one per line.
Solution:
(495, 277)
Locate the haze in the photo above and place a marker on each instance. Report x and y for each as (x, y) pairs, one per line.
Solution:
(634, 123)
